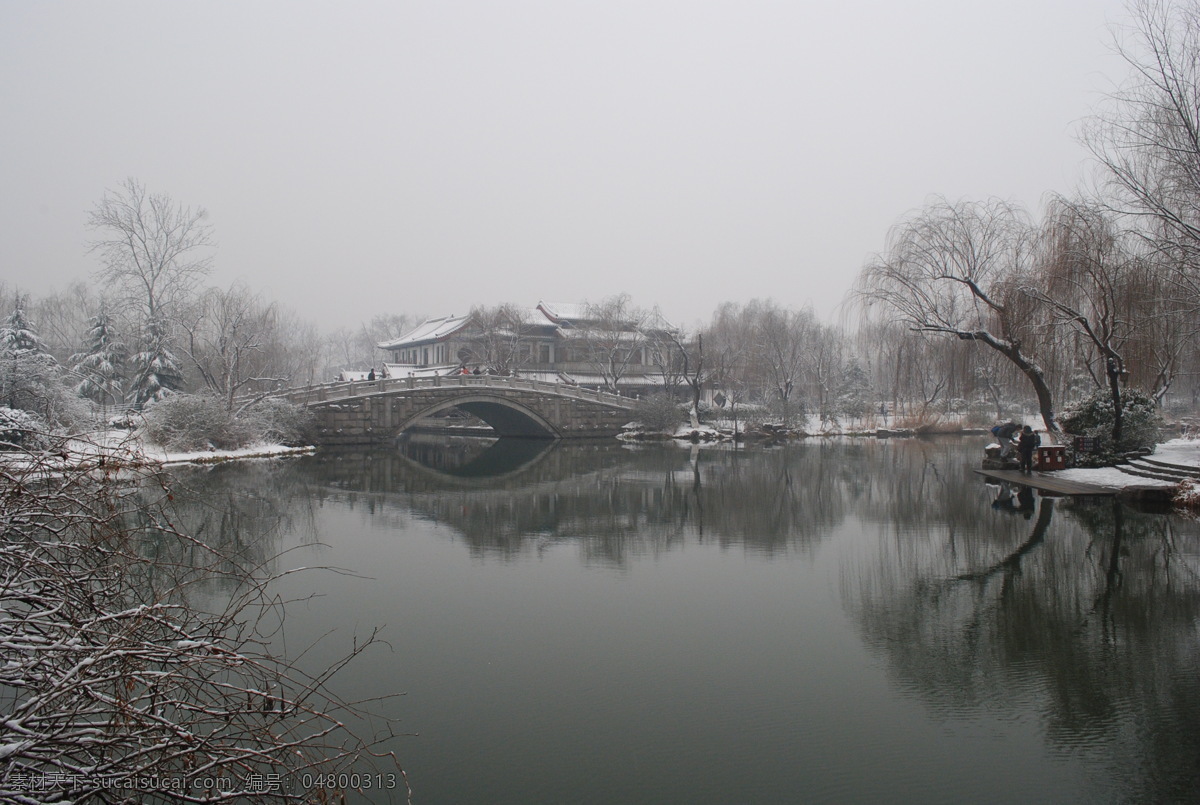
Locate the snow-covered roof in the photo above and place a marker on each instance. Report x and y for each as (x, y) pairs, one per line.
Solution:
(570, 319)
(563, 312)
(427, 331)
(579, 316)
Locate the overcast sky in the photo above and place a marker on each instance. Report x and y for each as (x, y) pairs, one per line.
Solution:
(422, 157)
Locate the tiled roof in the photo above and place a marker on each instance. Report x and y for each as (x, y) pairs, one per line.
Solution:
(559, 312)
(426, 332)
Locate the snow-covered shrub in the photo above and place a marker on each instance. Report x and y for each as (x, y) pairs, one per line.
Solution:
(37, 384)
(193, 422)
(709, 412)
(22, 430)
(1188, 495)
(791, 412)
(659, 412)
(125, 420)
(200, 421)
(1093, 417)
(279, 421)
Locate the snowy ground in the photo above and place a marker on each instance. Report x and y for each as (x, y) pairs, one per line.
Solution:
(1109, 477)
(162, 456)
(1185, 452)
(1179, 451)
(131, 448)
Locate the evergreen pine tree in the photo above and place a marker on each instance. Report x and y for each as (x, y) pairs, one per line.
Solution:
(101, 367)
(19, 336)
(854, 391)
(157, 372)
(29, 375)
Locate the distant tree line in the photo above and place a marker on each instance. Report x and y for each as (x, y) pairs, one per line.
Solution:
(149, 327)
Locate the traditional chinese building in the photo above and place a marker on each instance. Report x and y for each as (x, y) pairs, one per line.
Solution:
(556, 342)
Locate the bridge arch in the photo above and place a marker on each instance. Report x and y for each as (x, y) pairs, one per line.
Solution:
(369, 412)
(505, 416)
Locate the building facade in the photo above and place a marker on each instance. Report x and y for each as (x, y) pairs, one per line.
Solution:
(555, 342)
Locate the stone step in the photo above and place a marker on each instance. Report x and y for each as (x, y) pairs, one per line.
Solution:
(1160, 474)
(1187, 470)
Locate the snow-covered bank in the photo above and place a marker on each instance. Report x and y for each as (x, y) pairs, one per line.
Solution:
(1182, 452)
(119, 447)
(727, 430)
(1110, 478)
(159, 455)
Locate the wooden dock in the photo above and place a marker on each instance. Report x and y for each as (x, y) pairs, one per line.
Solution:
(1047, 483)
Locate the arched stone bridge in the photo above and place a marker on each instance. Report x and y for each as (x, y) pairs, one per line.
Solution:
(366, 412)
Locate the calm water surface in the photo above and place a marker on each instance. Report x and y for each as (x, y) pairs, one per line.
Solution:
(835, 621)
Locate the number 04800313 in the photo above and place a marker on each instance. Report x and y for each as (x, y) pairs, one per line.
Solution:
(348, 780)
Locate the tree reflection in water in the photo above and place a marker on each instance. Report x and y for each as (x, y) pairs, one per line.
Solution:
(1086, 612)
(613, 501)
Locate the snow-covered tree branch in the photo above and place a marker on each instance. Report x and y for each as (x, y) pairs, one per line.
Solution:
(138, 659)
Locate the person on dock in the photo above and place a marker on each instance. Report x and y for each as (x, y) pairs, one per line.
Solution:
(1026, 444)
(1005, 434)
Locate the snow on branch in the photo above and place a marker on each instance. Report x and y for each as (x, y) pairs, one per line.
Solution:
(120, 675)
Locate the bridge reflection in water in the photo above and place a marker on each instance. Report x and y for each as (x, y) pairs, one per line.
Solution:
(471, 459)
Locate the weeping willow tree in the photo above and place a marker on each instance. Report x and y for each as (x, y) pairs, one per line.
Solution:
(957, 270)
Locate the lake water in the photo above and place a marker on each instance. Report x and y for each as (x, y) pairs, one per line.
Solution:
(836, 621)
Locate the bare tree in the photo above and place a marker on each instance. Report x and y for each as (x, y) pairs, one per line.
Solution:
(782, 343)
(1147, 135)
(729, 348)
(765, 354)
(613, 337)
(1161, 345)
(64, 318)
(501, 340)
(692, 369)
(380, 328)
(231, 342)
(306, 346)
(1089, 281)
(154, 248)
(957, 269)
(824, 370)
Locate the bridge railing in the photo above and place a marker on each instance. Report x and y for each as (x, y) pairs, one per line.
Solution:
(346, 390)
